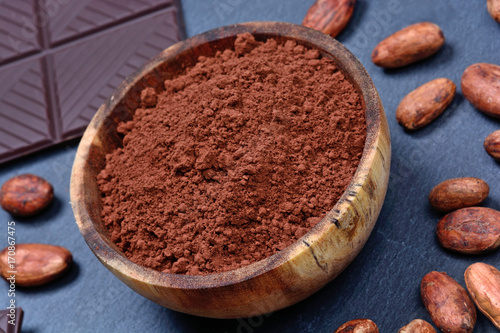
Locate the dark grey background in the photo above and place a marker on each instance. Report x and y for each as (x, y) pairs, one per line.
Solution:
(383, 282)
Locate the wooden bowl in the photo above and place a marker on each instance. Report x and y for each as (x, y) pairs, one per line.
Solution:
(270, 284)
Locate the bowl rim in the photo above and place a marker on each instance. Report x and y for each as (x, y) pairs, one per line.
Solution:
(118, 262)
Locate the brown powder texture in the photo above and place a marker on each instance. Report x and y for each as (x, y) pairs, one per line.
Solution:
(238, 158)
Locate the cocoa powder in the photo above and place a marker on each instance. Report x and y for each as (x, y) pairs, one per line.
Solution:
(239, 157)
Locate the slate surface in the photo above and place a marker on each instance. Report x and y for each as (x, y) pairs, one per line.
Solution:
(383, 281)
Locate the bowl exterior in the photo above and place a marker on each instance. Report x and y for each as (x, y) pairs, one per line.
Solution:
(288, 276)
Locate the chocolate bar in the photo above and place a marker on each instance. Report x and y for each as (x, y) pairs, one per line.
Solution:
(11, 320)
(60, 59)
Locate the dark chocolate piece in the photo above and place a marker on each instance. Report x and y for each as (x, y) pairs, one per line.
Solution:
(11, 322)
(24, 120)
(75, 18)
(56, 77)
(18, 35)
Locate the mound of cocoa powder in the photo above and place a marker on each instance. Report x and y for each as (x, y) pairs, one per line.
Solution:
(238, 158)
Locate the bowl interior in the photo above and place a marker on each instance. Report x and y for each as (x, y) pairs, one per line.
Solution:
(102, 138)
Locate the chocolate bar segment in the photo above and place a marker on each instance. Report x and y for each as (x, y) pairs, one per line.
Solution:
(24, 118)
(71, 18)
(18, 32)
(61, 59)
